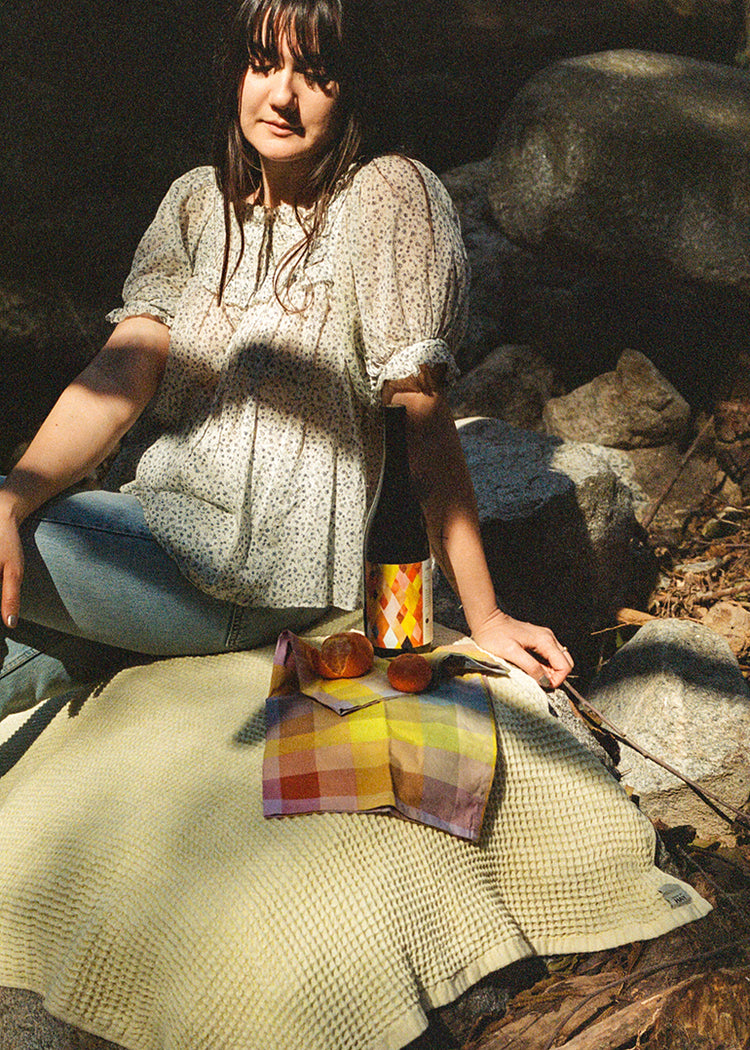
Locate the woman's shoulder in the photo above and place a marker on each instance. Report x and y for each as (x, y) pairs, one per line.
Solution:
(195, 186)
(398, 177)
(186, 207)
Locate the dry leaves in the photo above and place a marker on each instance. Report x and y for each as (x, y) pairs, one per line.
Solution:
(707, 577)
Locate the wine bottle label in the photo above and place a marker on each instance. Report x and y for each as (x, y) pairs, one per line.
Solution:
(399, 605)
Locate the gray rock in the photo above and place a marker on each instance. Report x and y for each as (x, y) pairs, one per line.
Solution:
(560, 707)
(562, 541)
(649, 473)
(489, 254)
(511, 289)
(632, 407)
(677, 690)
(635, 157)
(512, 383)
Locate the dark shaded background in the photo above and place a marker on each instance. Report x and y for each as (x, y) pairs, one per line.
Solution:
(104, 104)
(107, 102)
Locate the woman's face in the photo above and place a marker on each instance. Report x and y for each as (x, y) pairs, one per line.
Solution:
(289, 117)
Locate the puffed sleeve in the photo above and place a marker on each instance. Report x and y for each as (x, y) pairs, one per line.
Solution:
(163, 261)
(409, 269)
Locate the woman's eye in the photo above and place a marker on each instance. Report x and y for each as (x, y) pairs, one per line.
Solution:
(315, 78)
(261, 67)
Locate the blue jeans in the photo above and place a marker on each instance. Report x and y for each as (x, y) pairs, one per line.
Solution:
(99, 593)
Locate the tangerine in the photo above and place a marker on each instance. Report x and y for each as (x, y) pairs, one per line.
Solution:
(345, 655)
(409, 673)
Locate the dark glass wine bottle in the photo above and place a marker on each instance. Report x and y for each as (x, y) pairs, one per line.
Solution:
(398, 565)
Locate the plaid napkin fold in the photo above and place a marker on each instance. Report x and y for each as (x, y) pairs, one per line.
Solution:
(359, 746)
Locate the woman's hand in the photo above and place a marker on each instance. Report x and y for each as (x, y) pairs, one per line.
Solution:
(534, 649)
(11, 570)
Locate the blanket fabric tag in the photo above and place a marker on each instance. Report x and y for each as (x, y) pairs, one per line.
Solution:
(675, 894)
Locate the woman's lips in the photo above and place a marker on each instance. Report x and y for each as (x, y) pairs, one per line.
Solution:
(281, 129)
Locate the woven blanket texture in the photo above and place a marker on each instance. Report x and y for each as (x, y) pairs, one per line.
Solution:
(145, 897)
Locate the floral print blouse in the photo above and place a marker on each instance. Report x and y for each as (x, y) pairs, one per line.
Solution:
(256, 457)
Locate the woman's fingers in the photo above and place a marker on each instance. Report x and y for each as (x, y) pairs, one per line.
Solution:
(557, 660)
(534, 649)
(11, 571)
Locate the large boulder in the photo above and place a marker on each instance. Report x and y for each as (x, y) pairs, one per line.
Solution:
(514, 296)
(632, 407)
(637, 158)
(562, 541)
(676, 690)
(579, 317)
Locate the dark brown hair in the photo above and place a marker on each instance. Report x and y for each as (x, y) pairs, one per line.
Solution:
(332, 40)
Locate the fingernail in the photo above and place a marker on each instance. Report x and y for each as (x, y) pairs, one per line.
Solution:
(12, 621)
(544, 682)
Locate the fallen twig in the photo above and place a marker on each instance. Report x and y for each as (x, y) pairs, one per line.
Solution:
(632, 616)
(707, 796)
(722, 592)
(654, 508)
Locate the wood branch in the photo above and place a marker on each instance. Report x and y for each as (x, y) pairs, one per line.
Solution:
(654, 508)
(618, 986)
(621, 1027)
(540, 1015)
(633, 616)
(722, 592)
(714, 1006)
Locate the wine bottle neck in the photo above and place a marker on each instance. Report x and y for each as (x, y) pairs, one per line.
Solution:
(396, 452)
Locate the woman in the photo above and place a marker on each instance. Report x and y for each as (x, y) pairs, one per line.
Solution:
(273, 304)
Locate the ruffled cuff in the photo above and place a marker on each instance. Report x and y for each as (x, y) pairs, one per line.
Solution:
(411, 359)
(135, 308)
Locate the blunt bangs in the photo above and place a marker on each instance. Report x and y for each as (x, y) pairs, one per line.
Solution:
(311, 28)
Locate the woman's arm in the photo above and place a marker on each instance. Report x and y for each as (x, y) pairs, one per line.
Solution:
(447, 494)
(85, 424)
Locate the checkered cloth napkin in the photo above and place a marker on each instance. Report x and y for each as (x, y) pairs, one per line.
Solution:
(359, 746)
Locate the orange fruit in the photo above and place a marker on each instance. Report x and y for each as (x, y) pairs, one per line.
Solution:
(345, 655)
(409, 673)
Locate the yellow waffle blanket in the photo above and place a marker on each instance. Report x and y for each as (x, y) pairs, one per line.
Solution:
(145, 897)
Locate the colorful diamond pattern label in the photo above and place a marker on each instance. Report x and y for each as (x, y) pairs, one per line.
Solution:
(399, 605)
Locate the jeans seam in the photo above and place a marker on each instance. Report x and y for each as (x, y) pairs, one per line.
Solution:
(235, 625)
(85, 527)
(21, 660)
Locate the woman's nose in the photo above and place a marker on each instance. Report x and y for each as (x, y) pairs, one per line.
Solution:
(281, 92)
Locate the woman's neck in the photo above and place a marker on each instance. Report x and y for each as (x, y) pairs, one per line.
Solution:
(285, 184)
